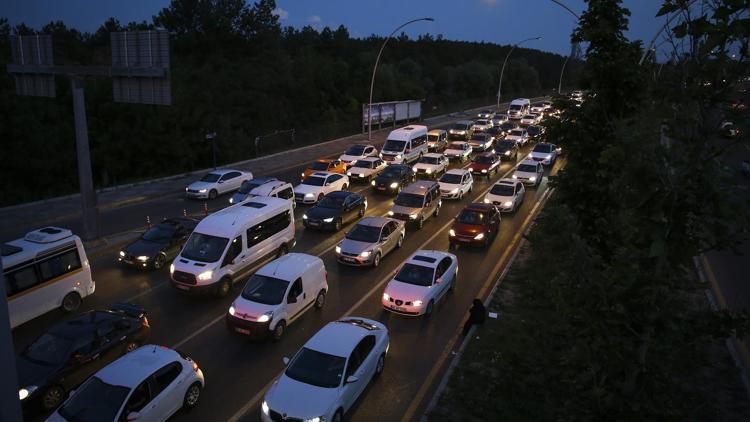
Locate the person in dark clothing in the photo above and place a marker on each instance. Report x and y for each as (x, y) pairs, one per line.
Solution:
(477, 314)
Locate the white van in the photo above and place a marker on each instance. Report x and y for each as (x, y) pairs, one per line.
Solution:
(405, 145)
(277, 294)
(226, 245)
(44, 270)
(519, 108)
(276, 189)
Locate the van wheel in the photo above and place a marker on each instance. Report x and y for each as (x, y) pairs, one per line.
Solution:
(400, 241)
(337, 417)
(321, 299)
(159, 261)
(437, 211)
(283, 250)
(376, 260)
(278, 331)
(71, 302)
(223, 288)
(212, 194)
(192, 395)
(53, 397)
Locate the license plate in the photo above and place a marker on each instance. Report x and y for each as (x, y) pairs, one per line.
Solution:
(181, 287)
(242, 331)
(349, 259)
(127, 261)
(313, 224)
(381, 187)
(398, 308)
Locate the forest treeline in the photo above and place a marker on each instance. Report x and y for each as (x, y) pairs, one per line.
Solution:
(237, 71)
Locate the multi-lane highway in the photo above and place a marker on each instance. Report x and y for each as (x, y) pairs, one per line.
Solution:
(238, 371)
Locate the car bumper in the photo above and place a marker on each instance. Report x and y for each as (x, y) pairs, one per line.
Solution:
(504, 157)
(356, 261)
(447, 195)
(359, 177)
(318, 224)
(501, 206)
(385, 188)
(527, 181)
(403, 309)
(252, 329)
(465, 240)
(305, 200)
(136, 263)
(196, 289)
(196, 195)
(481, 172)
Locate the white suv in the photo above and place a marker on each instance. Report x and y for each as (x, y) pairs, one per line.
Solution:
(431, 165)
(318, 185)
(327, 375)
(423, 280)
(148, 384)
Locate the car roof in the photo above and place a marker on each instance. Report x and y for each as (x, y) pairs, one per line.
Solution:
(132, 368)
(223, 171)
(368, 159)
(531, 162)
(375, 221)
(290, 266)
(182, 221)
(458, 171)
(510, 182)
(323, 173)
(485, 154)
(465, 122)
(423, 256)
(433, 155)
(85, 323)
(337, 338)
(419, 187)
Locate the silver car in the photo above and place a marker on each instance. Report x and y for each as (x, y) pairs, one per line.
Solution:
(370, 240)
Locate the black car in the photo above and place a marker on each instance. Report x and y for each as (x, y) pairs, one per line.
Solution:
(394, 178)
(495, 132)
(159, 244)
(535, 131)
(334, 210)
(508, 126)
(70, 352)
(507, 150)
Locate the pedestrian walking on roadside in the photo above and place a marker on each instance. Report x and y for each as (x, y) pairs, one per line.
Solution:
(477, 313)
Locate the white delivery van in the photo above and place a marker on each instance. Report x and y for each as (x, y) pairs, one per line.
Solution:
(277, 294)
(44, 270)
(226, 245)
(519, 108)
(405, 145)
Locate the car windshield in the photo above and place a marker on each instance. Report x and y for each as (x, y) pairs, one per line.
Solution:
(429, 160)
(393, 145)
(316, 368)
(391, 172)
(265, 290)
(94, 401)
(314, 181)
(502, 190)
(461, 126)
(471, 217)
(516, 132)
(527, 168)
(333, 202)
(49, 349)
(409, 200)
(356, 150)
(482, 122)
(415, 274)
(505, 145)
(318, 166)
(159, 233)
(450, 178)
(515, 107)
(249, 185)
(364, 164)
(483, 159)
(543, 148)
(204, 248)
(433, 138)
(507, 126)
(362, 233)
(479, 138)
(533, 130)
(211, 178)
(457, 145)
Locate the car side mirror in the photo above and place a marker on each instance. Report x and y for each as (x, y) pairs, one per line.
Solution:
(328, 184)
(219, 182)
(285, 360)
(352, 379)
(438, 280)
(133, 416)
(291, 299)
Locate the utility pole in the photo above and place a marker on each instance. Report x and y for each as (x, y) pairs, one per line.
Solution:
(85, 178)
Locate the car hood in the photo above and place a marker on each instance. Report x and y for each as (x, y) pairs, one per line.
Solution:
(350, 157)
(299, 400)
(355, 246)
(538, 154)
(513, 137)
(361, 170)
(448, 186)
(201, 185)
(308, 189)
(319, 213)
(500, 149)
(144, 247)
(406, 291)
(386, 179)
(400, 209)
(468, 229)
(453, 151)
(426, 166)
(499, 198)
(525, 173)
(32, 373)
(250, 310)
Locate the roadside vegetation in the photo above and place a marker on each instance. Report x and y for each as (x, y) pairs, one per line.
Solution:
(604, 318)
(237, 71)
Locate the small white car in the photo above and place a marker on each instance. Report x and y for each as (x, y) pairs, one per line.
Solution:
(456, 183)
(529, 172)
(318, 185)
(369, 240)
(458, 150)
(499, 119)
(519, 135)
(481, 142)
(506, 194)
(486, 114)
(216, 183)
(150, 383)
(481, 125)
(356, 152)
(431, 165)
(423, 280)
(545, 153)
(327, 375)
(277, 294)
(366, 169)
(530, 119)
(538, 109)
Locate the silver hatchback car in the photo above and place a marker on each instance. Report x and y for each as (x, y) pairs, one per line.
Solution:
(370, 240)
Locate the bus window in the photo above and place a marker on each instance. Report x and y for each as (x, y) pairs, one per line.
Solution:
(59, 265)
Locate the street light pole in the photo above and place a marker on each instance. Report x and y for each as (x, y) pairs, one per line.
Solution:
(502, 70)
(375, 69)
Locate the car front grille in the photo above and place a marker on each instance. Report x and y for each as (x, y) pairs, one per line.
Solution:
(277, 417)
(192, 191)
(349, 254)
(183, 277)
(299, 196)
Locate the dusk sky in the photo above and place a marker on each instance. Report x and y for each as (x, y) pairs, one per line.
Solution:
(497, 21)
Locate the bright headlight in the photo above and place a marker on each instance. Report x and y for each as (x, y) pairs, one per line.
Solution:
(480, 236)
(365, 254)
(265, 317)
(486, 201)
(304, 216)
(394, 185)
(315, 419)
(122, 253)
(338, 249)
(484, 170)
(414, 168)
(302, 175)
(203, 191)
(309, 195)
(372, 183)
(452, 232)
(390, 212)
(548, 156)
(206, 275)
(508, 203)
(23, 393)
(264, 407)
(454, 191)
(515, 177)
(397, 157)
(507, 152)
(143, 258)
(231, 310)
(348, 173)
(231, 200)
(428, 171)
(171, 268)
(532, 178)
(328, 220)
(413, 216)
(416, 303)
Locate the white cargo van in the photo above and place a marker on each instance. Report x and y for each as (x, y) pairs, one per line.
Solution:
(405, 145)
(518, 108)
(44, 270)
(226, 245)
(277, 294)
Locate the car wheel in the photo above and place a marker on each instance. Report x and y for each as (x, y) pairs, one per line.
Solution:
(320, 301)
(337, 417)
(320, 196)
(53, 397)
(278, 331)
(460, 195)
(452, 287)
(400, 241)
(376, 260)
(420, 223)
(361, 212)
(283, 250)
(344, 186)
(223, 288)
(192, 395)
(379, 366)
(71, 302)
(338, 224)
(437, 211)
(159, 261)
(131, 346)
(212, 194)
(430, 306)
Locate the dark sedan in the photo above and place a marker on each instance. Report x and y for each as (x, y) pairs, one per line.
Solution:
(507, 150)
(535, 131)
(334, 210)
(508, 126)
(394, 178)
(70, 352)
(159, 244)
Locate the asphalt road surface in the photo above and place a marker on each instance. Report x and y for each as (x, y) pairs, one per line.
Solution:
(238, 371)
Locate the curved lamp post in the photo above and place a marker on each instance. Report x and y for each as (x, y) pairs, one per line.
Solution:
(375, 69)
(575, 15)
(502, 70)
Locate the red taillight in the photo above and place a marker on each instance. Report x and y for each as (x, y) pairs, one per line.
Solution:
(145, 321)
(195, 366)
